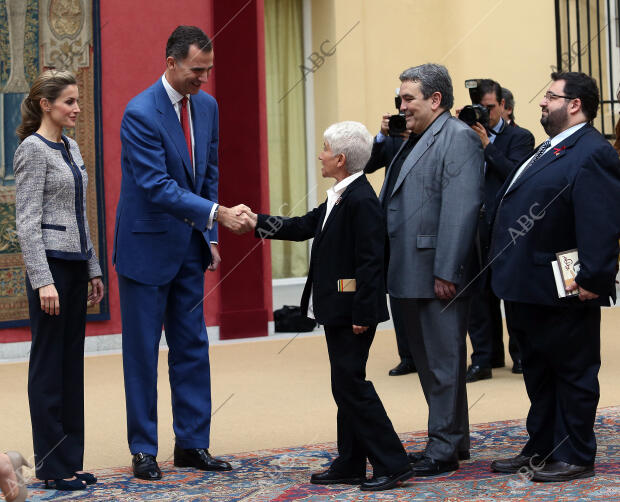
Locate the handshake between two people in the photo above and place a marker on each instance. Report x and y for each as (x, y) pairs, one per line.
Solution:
(238, 219)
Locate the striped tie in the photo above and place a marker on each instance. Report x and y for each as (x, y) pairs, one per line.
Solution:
(543, 148)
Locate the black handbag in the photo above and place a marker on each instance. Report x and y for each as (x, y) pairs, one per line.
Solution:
(289, 319)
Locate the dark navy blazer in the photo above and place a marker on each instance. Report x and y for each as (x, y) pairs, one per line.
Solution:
(568, 199)
(349, 246)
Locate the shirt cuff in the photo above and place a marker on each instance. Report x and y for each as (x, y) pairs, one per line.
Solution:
(210, 222)
(380, 137)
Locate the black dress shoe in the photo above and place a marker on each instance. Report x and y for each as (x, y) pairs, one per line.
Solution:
(430, 467)
(402, 369)
(517, 367)
(561, 471)
(510, 465)
(332, 477)
(475, 373)
(87, 477)
(419, 455)
(65, 485)
(387, 482)
(145, 467)
(199, 458)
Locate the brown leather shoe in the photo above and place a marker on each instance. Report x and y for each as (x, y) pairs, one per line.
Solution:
(561, 471)
(510, 465)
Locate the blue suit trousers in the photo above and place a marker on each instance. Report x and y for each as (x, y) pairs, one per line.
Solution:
(178, 306)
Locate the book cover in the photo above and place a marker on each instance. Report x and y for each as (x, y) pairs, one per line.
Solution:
(568, 267)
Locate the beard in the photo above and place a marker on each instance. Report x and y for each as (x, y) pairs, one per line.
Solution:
(555, 121)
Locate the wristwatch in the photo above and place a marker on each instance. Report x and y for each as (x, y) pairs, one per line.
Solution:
(215, 213)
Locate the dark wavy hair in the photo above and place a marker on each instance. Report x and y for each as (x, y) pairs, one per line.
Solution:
(582, 86)
(48, 85)
(184, 36)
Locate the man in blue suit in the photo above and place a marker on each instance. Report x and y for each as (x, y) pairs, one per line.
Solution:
(566, 196)
(165, 239)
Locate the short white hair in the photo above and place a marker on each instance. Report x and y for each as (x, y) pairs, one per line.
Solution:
(351, 139)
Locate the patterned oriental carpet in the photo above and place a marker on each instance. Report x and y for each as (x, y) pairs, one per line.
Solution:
(283, 474)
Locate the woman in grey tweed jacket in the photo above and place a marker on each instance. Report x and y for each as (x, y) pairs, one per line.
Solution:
(53, 232)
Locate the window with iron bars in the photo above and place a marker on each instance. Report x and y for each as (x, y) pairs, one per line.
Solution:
(588, 40)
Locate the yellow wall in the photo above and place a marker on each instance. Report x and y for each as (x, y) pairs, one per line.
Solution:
(509, 41)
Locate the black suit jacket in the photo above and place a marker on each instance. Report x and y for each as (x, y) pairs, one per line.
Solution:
(568, 199)
(350, 246)
(511, 146)
(383, 152)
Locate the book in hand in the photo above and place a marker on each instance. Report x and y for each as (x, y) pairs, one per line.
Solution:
(565, 269)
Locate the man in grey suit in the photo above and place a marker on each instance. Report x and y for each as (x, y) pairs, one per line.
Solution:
(432, 195)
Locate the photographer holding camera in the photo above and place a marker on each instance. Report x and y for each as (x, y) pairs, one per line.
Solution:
(504, 148)
(387, 143)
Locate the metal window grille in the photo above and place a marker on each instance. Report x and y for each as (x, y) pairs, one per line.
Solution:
(588, 40)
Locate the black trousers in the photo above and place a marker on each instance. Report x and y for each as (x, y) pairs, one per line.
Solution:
(486, 332)
(56, 373)
(402, 342)
(561, 356)
(364, 429)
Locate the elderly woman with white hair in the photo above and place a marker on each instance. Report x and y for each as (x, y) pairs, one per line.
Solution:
(345, 292)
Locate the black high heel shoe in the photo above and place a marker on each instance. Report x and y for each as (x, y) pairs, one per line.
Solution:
(65, 485)
(87, 477)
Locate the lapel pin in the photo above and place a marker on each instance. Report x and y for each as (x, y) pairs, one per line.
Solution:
(557, 151)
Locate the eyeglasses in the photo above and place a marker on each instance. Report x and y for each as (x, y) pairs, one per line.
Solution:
(550, 96)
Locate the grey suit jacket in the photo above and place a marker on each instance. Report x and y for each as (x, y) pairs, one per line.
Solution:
(432, 213)
(50, 207)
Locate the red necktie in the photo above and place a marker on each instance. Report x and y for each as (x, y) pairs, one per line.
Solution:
(185, 126)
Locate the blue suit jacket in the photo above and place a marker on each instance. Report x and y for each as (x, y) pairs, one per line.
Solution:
(160, 204)
(569, 199)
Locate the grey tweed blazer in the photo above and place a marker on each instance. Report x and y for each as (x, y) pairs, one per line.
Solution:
(50, 207)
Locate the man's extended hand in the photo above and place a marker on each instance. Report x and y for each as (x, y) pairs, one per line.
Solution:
(249, 219)
(444, 290)
(232, 218)
(584, 294)
(216, 258)
(482, 132)
(358, 330)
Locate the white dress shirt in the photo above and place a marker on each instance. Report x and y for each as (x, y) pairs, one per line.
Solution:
(333, 195)
(176, 98)
(557, 139)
